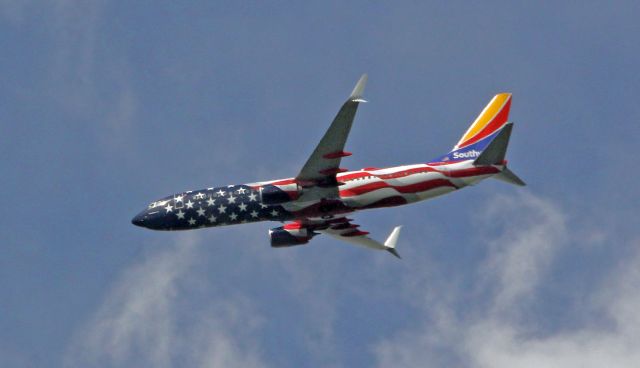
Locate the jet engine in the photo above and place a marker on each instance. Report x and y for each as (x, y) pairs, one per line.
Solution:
(271, 194)
(283, 237)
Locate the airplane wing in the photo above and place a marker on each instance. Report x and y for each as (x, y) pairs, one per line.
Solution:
(321, 168)
(346, 231)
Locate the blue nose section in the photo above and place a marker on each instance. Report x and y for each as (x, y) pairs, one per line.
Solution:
(138, 220)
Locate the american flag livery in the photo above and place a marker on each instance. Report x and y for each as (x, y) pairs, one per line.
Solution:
(322, 196)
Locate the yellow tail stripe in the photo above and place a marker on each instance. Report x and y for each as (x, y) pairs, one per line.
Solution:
(485, 117)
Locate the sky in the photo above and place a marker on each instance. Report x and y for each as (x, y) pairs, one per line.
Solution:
(108, 105)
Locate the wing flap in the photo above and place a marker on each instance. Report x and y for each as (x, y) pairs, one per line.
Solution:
(349, 233)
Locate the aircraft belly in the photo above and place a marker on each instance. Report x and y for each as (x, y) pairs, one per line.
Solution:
(428, 194)
(369, 198)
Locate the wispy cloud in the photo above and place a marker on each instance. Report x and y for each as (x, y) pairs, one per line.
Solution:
(530, 232)
(155, 316)
(89, 81)
(499, 330)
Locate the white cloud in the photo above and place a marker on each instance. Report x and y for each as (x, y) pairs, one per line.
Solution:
(146, 319)
(532, 230)
(500, 330)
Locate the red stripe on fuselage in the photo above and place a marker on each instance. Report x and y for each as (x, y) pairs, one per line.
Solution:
(386, 202)
(397, 174)
(474, 171)
(404, 173)
(411, 188)
(284, 182)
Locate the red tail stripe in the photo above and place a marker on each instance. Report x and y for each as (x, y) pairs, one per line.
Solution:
(496, 123)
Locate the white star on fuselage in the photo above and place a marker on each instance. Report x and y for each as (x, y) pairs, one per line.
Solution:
(242, 206)
(252, 197)
(192, 221)
(233, 216)
(221, 192)
(274, 213)
(254, 213)
(180, 215)
(222, 209)
(241, 191)
(211, 201)
(189, 204)
(168, 208)
(179, 199)
(200, 212)
(231, 199)
(212, 219)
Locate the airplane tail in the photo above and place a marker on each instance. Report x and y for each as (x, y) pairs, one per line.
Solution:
(495, 153)
(486, 140)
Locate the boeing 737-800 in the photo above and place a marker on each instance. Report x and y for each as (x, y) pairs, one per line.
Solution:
(322, 195)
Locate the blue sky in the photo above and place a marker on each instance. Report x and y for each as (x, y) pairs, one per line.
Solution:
(108, 105)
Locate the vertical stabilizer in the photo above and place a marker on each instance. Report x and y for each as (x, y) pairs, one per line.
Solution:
(482, 131)
(490, 120)
(495, 152)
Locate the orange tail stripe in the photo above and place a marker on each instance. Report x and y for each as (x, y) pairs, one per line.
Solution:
(496, 123)
(487, 116)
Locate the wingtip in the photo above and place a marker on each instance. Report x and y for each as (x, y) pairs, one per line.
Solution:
(390, 243)
(394, 252)
(358, 90)
(393, 237)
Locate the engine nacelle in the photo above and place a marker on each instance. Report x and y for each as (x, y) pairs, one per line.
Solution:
(281, 237)
(271, 194)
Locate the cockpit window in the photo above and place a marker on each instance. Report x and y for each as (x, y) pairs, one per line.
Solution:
(157, 204)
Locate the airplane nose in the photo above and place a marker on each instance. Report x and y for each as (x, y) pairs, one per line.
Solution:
(138, 220)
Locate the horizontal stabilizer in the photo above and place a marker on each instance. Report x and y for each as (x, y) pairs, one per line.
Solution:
(510, 177)
(496, 150)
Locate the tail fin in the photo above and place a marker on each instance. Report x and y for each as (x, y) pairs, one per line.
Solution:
(486, 140)
(482, 131)
(495, 152)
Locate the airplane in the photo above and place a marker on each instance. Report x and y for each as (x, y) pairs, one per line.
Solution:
(322, 196)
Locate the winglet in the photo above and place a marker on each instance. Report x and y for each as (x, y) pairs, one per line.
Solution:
(390, 243)
(358, 90)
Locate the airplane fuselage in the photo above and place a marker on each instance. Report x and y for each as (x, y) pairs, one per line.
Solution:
(285, 199)
(321, 196)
